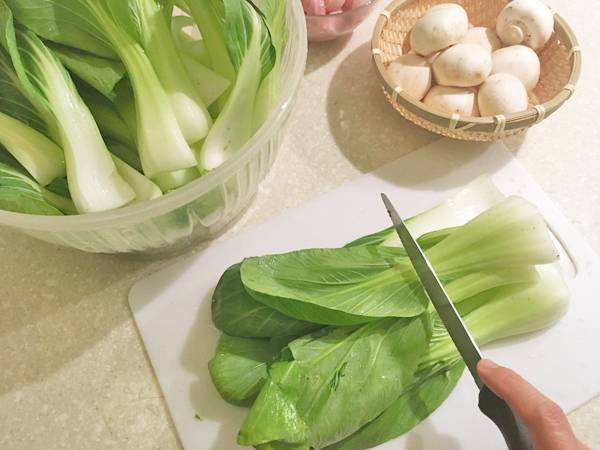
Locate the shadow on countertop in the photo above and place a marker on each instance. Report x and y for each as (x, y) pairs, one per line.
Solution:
(320, 53)
(366, 128)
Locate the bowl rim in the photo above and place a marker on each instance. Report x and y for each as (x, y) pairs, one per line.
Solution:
(366, 5)
(139, 212)
(488, 124)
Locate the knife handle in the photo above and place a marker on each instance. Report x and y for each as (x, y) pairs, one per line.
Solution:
(513, 430)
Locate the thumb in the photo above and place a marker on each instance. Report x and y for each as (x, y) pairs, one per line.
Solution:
(548, 425)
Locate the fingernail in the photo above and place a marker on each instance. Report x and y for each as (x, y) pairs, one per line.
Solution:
(486, 364)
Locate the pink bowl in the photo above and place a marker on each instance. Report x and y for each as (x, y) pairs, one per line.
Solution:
(332, 26)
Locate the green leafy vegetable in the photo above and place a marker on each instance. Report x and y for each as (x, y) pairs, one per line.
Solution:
(498, 268)
(506, 311)
(415, 404)
(18, 193)
(102, 74)
(51, 90)
(158, 43)
(125, 153)
(161, 143)
(305, 400)
(105, 114)
(253, 56)
(190, 45)
(210, 17)
(78, 75)
(357, 284)
(336, 286)
(42, 158)
(22, 131)
(235, 312)
(270, 88)
(211, 86)
(144, 188)
(239, 367)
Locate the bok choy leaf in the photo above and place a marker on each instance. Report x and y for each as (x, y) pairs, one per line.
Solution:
(353, 285)
(102, 74)
(18, 193)
(239, 367)
(235, 312)
(304, 400)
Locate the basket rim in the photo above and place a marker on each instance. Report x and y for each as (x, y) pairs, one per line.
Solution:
(515, 120)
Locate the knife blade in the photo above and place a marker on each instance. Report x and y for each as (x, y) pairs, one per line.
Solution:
(513, 430)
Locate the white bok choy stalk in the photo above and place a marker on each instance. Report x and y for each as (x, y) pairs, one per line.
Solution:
(22, 131)
(185, 32)
(108, 28)
(94, 182)
(253, 56)
(190, 110)
(210, 17)
(42, 158)
(512, 233)
(505, 312)
(270, 88)
(144, 188)
(477, 197)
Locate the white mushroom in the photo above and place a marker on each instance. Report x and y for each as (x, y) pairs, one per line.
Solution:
(412, 73)
(440, 27)
(463, 65)
(429, 58)
(527, 22)
(520, 61)
(486, 37)
(451, 100)
(502, 93)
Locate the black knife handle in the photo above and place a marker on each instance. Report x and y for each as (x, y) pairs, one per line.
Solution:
(514, 431)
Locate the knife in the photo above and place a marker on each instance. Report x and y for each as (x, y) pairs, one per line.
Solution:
(513, 430)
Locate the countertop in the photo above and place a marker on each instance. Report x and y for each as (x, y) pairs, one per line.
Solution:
(73, 370)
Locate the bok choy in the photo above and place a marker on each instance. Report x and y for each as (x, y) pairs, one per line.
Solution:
(497, 260)
(81, 77)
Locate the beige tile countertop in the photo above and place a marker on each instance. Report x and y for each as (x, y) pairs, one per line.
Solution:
(73, 371)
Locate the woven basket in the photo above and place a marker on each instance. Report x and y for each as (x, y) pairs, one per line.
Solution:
(560, 68)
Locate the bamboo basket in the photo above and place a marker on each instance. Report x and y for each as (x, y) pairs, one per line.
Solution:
(560, 69)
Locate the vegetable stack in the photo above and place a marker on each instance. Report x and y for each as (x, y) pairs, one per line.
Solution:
(341, 349)
(108, 102)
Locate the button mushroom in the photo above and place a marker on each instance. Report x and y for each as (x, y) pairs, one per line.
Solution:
(502, 93)
(527, 22)
(451, 100)
(520, 61)
(440, 27)
(463, 65)
(412, 73)
(486, 37)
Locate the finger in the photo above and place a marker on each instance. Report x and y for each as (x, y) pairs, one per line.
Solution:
(547, 423)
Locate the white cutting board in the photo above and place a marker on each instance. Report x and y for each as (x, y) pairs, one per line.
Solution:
(172, 307)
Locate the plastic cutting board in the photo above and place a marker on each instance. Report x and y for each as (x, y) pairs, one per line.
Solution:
(172, 307)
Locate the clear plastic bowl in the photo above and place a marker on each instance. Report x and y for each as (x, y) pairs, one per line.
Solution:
(196, 212)
(333, 26)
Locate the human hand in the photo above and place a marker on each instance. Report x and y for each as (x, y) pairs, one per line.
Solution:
(548, 425)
